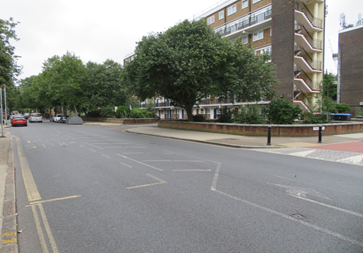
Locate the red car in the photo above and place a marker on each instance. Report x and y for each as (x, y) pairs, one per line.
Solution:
(19, 120)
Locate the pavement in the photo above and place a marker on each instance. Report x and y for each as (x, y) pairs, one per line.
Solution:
(8, 219)
(347, 148)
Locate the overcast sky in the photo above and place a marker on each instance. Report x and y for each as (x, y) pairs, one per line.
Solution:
(108, 29)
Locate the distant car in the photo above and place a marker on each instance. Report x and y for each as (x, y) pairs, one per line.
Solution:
(36, 117)
(26, 115)
(63, 119)
(57, 117)
(19, 120)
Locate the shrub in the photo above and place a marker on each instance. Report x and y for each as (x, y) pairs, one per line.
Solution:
(123, 112)
(342, 107)
(150, 114)
(199, 118)
(225, 115)
(108, 111)
(283, 111)
(137, 113)
(250, 115)
(311, 118)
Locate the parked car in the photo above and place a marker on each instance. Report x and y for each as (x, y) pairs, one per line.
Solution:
(57, 117)
(36, 117)
(19, 120)
(63, 119)
(26, 115)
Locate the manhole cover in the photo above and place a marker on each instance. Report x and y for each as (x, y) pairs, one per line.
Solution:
(297, 216)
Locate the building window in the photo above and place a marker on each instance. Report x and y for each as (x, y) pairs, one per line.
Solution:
(221, 15)
(258, 36)
(256, 1)
(245, 39)
(232, 10)
(244, 4)
(210, 20)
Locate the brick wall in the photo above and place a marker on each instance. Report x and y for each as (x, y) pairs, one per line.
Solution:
(259, 4)
(351, 59)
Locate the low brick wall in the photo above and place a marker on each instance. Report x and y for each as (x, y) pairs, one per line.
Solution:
(119, 121)
(261, 130)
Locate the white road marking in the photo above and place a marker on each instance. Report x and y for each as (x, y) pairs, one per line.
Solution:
(126, 164)
(186, 161)
(140, 163)
(92, 150)
(81, 146)
(353, 159)
(93, 145)
(70, 137)
(303, 153)
(106, 156)
(194, 170)
(326, 231)
(214, 183)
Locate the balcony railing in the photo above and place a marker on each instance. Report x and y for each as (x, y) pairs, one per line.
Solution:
(245, 22)
(317, 22)
(315, 43)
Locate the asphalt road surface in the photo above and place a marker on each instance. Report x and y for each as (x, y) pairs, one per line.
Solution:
(99, 189)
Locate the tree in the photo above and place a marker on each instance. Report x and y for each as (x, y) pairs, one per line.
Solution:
(329, 86)
(8, 67)
(102, 86)
(190, 61)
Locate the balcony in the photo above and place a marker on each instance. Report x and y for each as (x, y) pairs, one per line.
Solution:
(308, 66)
(311, 26)
(304, 87)
(247, 24)
(310, 46)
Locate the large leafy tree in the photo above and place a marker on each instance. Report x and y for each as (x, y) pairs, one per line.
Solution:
(102, 86)
(8, 66)
(189, 62)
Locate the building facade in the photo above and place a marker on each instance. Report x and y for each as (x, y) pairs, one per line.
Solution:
(291, 31)
(350, 86)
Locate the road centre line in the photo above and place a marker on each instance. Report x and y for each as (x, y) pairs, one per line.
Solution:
(93, 145)
(81, 146)
(126, 165)
(145, 185)
(106, 156)
(140, 162)
(92, 150)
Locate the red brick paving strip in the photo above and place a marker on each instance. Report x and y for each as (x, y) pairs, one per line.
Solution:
(355, 146)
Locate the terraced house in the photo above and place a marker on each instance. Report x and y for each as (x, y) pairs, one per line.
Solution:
(291, 31)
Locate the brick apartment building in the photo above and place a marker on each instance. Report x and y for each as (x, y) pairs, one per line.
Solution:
(350, 85)
(291, 31)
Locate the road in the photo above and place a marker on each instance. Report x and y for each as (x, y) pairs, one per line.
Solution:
(100, 189)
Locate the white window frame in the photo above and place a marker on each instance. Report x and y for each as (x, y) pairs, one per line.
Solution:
(211, 20)
(259, 35)
(245, 3)
(255, 1)
(243, 38)
(221, 16)
(232, 9)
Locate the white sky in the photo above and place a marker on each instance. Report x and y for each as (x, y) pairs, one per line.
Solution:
(108, 29)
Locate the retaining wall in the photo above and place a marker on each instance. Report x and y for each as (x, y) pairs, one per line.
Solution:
(261, 130)
(120, 121)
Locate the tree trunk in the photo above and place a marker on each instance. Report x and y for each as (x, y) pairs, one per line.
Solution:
(189, 113)
(75, 109)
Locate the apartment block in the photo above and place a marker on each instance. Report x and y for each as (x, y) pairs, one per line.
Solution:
(291, 31)
(350, 85)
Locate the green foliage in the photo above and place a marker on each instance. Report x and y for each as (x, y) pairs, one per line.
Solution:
(107, 111)
(311, 118)
(342, 107)
(249, 115)
(190, 61)
(329, 86)
(137, 113)
(8, 66)
(123, 112)
(199, 118)
(102, 85)
(225, 115)
(150, 114)
(358, 111)
(94, 114)
(283, 111)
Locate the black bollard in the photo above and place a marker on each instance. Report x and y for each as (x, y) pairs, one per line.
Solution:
(269, 136)
(320, 131)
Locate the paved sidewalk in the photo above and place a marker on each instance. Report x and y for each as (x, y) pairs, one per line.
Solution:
(8, 224)
(239, 141)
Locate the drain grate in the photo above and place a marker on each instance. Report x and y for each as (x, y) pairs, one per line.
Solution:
(297, 216)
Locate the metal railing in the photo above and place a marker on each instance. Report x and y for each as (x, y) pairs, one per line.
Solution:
(245, 22)
(317, 22)
(315, 43)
